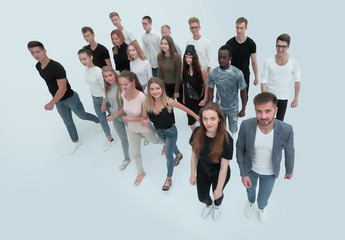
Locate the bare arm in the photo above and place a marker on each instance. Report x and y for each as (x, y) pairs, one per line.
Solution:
(263, 87)
(115, 115)
(297, 89)
(62, 87)
(242, 113)
(174, 103)
(108, 62)
(204, 75)
(253, 57)
(218, 192)
(210, 94)
(193, 166)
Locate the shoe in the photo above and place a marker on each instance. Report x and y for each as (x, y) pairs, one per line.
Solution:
(262, 215)
(108, 145)
(124, 164)
(206, 211)
(74, 147)
(167, 184)
(217, 210)
(139, 179)
(98, 128)
(178, 159)
(146, 142)
(249, 211)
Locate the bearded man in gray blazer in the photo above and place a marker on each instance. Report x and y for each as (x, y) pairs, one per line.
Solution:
(259, 147)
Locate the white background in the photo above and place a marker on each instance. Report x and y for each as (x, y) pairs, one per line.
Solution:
(46, 194)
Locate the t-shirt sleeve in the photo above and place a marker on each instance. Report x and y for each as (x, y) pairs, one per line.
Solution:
(106, 53)
(252, 47)
(227, 148)
(296, 72)
(59, 71)
(192, 136)
(241, 83)
(210, 81)
(265, 72)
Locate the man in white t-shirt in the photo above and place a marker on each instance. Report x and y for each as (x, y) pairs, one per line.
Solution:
(259, 147)
(278, 73)
(116, 20)
(202, 44)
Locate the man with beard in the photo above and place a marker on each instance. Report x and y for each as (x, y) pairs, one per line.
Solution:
(259, 152)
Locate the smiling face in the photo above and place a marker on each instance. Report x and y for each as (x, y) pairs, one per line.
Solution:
(126, 84)
(85, 59)
(116, 21)
(38, 53)
(282, 47)
(116, 40)
(165, 46)
(210, 120)
(132, 52)
(109, 77)
(155, 90)
(265, 113)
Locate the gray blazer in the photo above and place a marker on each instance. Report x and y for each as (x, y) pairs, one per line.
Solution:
(282, 139)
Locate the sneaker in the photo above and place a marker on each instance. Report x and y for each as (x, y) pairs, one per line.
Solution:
(249, 211)
(139, 179)
(178, 159)
(124, 164)
(74, 147)
(206, 211)
(146, 142)
(262, 215)
(108, 145)
(217, 210)
(98, 128)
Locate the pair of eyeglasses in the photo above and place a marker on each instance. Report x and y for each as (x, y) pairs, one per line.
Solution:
(281, 46)
(192, 28)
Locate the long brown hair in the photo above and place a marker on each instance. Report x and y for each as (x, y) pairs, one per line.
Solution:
(119, 35)
(137, 48)
(172, 51)
(107, 86)
(131, 76)
(150, 100)
(216, 145)
(195, 67)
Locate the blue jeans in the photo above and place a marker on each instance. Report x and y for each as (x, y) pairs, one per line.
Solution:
(120, 128)
(169, 138)
(232, 116)
(97, 104)
(155, 72)
(265, 188)
(65, 108)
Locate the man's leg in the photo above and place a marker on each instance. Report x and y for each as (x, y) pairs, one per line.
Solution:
(265, 189)
(251, 192)
(66, 115)
(77, 107)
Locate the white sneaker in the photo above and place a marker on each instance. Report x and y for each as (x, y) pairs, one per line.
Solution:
(108, 145)
(74, 147)
(146, 142)
(98, 128)
(249, 211)
(124, 164)
(262, 215)
(217, 210)
(206, 211)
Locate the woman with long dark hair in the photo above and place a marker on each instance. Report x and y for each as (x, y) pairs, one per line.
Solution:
(212, 149)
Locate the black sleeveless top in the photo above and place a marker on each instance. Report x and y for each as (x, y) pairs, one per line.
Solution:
(162, 120)
(196, 86)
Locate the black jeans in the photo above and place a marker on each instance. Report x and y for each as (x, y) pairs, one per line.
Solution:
(204, 179)
(282, 104)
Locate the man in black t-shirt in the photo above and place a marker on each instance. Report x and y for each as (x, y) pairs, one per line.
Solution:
(243, 49)
(65, 99)
(100, 53)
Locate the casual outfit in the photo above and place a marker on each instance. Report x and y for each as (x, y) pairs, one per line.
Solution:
(142, 68)
(278, 80)
(241, 53)
(100, 53)
(164, 123)
(170, 73)
(203, 49)
(151, 48)
(259, 156)
(121, 58)
(129, 36)
(208, 171)
(228, 82)
(134, 108)
(70, 100)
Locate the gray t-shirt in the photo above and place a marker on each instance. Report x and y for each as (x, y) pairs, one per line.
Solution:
(228, 82)
(112, 99)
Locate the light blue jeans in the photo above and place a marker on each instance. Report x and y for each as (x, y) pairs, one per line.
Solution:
(265, 188)
(169, 138)
(97, 104)
(65, 108)
(232, 116)
(120, 128)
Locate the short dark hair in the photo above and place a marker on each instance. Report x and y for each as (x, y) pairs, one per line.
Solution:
(85, 50)
(87, 29)
(284, 37)
(32, 44)
(242, 20)
(226, 48)
(265, 97)
(148, 18)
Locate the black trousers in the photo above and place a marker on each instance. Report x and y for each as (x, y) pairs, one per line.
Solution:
(282, 104)
(170, 90)
(204, 179)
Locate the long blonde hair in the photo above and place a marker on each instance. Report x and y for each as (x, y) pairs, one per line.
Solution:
(107, 86)
(137, 48)
(150, 99)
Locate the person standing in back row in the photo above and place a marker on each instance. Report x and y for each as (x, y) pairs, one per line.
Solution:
(116, 20)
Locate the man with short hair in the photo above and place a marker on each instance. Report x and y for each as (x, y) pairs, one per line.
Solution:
(116, 20)
(259, 147)
(65, 99)
(151, 44)
(243, 49)
(166, 31)
(228, 80)
(202, 44)
(100, 53)
(278, 73)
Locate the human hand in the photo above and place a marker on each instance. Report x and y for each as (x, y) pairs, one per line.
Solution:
(176, 95)
(256, 81)
(217, 193)
(202, 103)
(246, 182)
(294, 103)
(103, 108)
(192, 180)
(288, 176)
(242, 113)
(125, 118)
(144, 122)
(49, 106)
(110, 118)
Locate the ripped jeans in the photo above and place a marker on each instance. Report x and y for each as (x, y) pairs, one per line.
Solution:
(232, 116)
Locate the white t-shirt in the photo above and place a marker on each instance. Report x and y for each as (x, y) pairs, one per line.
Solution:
(263, 145)
(279, 78)
(129, 36)
(142, 68)
(94, 78)
(203, 49)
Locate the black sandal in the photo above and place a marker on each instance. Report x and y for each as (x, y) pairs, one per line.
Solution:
(167, 184)
(178, 159)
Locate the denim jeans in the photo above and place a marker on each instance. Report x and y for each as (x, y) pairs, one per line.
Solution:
(232, 116)
(265, 188)
(97, 104)
(65, 108)
(120, 128)
(169, 138)
(155, 72)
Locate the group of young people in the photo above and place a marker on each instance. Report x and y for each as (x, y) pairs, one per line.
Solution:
(139, 94)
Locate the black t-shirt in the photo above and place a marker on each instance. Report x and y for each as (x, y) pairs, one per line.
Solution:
(121, 59)
(51, 73)
(204, 160)
(99, 55)
(241, 54)
(163, 120)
